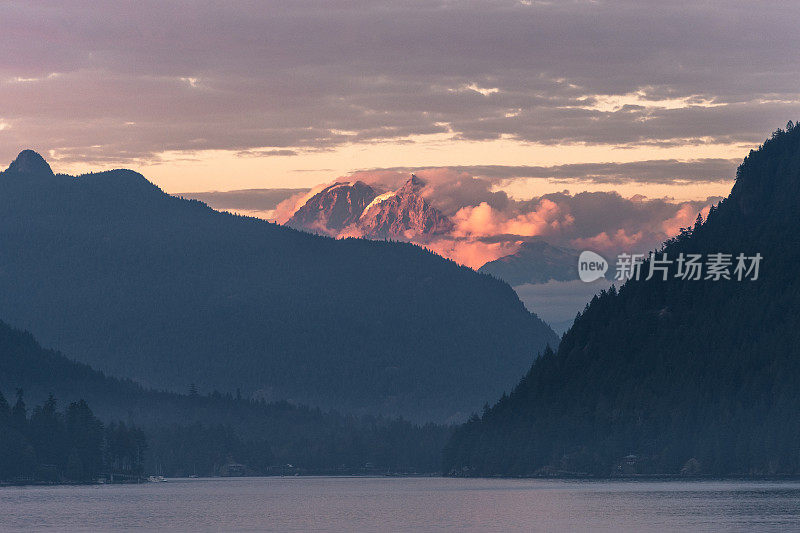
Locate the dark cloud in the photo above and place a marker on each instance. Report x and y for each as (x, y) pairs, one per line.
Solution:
(660, 171)
(266, 153)
(245, 199)
(644, 223)
(127, 80)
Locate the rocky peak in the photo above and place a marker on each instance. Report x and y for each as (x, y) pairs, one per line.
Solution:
(30, 162)
(404, 215)
(333, 208)
(359, 210)
(413, 185)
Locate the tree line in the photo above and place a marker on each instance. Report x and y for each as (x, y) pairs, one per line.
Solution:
(264, 308)
(199, 433)
(671, 377)
(70, 445)
(48, 444)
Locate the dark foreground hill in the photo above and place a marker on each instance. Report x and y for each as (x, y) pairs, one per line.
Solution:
(199, 433)
(677, 376)
(107, 268)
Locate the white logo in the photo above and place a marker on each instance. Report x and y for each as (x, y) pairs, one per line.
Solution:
(591, 266)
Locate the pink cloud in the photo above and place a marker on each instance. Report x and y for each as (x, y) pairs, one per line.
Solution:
(685, 217)
(473, 254)
(288, 207)
(617, 241)
(484, 221)
(488, 224)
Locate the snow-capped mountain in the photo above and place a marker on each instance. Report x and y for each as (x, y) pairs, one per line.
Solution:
(404, 213)
(535, 262)
(357, 209)
(334, 208)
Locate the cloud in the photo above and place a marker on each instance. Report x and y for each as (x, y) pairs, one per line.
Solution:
(594, 214)
(266, 153)
(473, 253)
(116, 82)
(451, 188)
(657, 171)
(601, 221)
(547, 217)
(685, 217)
(245, 200)
(488, 224)
(618, 240)
(288, 207)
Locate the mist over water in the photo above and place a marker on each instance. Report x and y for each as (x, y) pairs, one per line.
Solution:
(557, 302)
(406, 504)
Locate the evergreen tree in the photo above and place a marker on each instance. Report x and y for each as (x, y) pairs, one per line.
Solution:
(671, 377)
(259, 306)
(85, 437)
(47, 433)
(19, 413)
(5, 411)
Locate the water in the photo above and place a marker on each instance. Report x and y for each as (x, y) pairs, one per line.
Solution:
(406, 504)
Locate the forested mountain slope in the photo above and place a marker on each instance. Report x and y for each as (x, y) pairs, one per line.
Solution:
(192, 433)
(110, 270)
(672, 376)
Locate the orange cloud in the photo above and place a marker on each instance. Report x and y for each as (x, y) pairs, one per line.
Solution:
(685, 217)
(473, 254)
(488, 224)
(284, 211)
(484, 221)
(619, 240)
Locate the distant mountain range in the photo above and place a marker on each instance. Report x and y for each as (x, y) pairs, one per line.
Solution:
(334, 208)
(535, 262)
(683, 376)
(357, 209)
(111, 271)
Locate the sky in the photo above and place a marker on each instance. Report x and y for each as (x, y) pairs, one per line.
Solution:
(204, 96)
(641, 100)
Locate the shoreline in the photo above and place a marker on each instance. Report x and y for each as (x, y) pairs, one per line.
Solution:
(652, 478)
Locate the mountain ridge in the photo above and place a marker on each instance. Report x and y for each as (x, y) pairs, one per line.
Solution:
(671, 377)
(334, 208)
(313, 440)
(167, 291)
(535, 262)
(357, 209)
(405, 213)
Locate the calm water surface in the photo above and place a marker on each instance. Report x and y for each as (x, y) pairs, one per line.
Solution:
(405, 504)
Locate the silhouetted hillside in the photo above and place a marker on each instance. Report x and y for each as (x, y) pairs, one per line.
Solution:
(110, 270)
(677, 376)
(198, 433)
